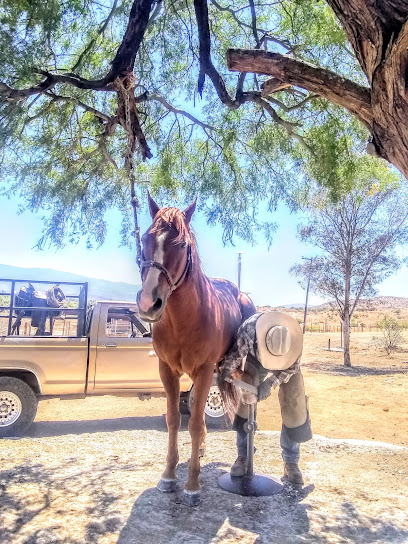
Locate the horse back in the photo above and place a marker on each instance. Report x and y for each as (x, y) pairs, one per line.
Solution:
(245, 304)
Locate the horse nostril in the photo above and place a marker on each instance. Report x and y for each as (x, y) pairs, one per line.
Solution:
(158, 304)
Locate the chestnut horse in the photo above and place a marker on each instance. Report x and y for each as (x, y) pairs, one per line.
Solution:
(196, 320)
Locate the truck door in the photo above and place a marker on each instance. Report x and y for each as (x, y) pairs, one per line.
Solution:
(125, 358)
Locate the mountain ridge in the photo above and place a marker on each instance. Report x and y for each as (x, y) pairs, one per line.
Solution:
(98, 289)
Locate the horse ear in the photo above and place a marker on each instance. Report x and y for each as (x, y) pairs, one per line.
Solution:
(153, 207)
(188, 212)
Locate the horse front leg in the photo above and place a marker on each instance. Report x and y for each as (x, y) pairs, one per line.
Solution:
(171, 384)
(196, 426)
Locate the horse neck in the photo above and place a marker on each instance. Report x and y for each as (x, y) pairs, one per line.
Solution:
(187, 300)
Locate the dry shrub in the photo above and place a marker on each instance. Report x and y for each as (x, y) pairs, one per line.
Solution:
(392, 334)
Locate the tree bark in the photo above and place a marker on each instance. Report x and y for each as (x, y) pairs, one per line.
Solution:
(346, 339)
(346, 310)
(378, 33)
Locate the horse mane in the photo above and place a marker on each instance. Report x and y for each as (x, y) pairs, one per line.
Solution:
(166, 217)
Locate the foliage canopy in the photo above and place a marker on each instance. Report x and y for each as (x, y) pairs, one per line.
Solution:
(73, 87)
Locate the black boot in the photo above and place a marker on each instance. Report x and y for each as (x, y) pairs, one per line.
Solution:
(238, 426)
(239, 468)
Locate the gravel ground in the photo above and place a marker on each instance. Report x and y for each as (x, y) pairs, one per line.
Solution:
(99, 487)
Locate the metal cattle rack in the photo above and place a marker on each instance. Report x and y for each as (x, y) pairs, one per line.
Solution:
(78, 313)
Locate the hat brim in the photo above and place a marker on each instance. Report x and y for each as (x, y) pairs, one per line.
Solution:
(278, 362)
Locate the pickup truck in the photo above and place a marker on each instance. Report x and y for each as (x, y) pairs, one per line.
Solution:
(103, 348)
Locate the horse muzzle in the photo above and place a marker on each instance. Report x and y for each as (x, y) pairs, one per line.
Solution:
(150, 308)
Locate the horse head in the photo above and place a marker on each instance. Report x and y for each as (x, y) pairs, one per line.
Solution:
(168, 245)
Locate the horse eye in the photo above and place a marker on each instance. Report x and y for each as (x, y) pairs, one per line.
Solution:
(183, 245)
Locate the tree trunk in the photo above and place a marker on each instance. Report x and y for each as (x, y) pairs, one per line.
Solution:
(378, 33)
(346, 311)
(346, 339)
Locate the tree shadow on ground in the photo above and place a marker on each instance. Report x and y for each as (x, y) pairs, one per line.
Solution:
(163, 518)
(224, 517)
(41, 429)
(28, 491)
(353, 371)
(73, 503)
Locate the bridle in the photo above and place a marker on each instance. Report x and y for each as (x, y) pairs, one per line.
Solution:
(164, 271)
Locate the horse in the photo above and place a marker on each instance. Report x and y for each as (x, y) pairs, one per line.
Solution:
(195, 322)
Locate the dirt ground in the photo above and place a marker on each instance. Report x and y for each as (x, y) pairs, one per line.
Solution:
(86, 471)
(367, 402)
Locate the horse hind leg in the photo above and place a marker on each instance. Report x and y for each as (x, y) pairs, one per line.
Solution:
(171, 384)
(196, 426)
(246, 306)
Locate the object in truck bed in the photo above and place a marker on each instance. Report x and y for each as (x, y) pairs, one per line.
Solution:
(28, 297)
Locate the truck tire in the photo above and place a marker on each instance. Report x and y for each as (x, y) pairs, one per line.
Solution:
(215, 412)
(18, 406)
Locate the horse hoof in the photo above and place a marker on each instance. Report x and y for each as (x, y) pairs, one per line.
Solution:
(167, 486)
(191, 498)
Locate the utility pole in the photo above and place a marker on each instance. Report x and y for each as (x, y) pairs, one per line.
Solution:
(239, 268)
(307, 290)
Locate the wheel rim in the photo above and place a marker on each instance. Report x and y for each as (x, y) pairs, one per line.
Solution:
(214, 407)
(10, 408)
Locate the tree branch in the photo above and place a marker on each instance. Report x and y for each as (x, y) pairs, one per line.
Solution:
(267, 36)
(121, 64)
(283, 106)
(125, 57)
(90, 109)
(163, 101)
(100, 31)
(254, 28)
(287, 125)
(289, 71)
(49, 82)
(206, 65)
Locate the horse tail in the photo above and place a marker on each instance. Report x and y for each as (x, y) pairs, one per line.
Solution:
(229, 396)
(228, 391)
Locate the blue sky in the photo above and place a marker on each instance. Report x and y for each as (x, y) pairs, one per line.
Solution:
(265, 274)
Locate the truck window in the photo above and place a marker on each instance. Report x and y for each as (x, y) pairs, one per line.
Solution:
(123, 322)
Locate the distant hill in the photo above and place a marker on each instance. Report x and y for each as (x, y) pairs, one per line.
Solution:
(374, 303)
(380, 304)
(98, 289)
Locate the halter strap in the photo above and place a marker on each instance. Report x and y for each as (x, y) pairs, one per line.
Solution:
(163, 270)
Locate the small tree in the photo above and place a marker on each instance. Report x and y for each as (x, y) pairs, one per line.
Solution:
(357, 237)
(392, 334)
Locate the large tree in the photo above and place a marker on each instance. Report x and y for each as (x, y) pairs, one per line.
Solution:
(378, 35)
(84, 84)
(357, 238)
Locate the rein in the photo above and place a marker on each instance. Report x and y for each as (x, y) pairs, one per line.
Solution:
(164, 271)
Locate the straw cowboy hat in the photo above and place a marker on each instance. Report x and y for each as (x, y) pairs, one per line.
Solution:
(280, 340)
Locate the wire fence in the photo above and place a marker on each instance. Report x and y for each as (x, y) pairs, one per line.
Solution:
(325, 326)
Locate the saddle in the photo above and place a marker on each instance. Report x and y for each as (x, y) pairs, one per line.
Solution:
(29, 297)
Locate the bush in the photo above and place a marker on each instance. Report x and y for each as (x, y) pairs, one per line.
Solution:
(392, 334)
